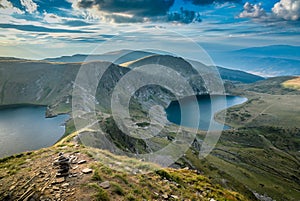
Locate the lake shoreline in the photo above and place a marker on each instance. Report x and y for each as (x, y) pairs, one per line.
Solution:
(48, 113)
(25, 127)
(204, 124)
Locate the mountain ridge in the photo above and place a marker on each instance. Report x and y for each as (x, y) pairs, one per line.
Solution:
(230, 160)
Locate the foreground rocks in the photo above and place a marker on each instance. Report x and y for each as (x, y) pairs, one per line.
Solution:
(51, 175)
(87, 171)
(63, 166)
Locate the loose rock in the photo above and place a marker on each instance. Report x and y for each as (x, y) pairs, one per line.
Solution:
(55, 188)
(81, 161)
(165, 196)
(105, 184)
(87, 171)
(65, 185)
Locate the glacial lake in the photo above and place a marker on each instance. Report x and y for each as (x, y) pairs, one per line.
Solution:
(26, 128)
(206, 111)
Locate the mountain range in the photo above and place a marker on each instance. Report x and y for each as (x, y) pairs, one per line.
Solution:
(266, 61)
(264, 139)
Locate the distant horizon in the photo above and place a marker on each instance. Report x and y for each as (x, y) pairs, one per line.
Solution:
(41, 29)
(89, 54)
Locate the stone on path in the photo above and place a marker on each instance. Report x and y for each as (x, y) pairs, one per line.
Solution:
(87, 171)
(105, 184)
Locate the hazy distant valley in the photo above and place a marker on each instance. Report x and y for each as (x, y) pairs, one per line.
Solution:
(267, 61)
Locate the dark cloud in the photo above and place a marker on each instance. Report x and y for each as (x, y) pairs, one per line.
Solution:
(84, 40)
(184, 16)
(140, 11)
(139, 8)
(33, 28)
(205, 2)
(76, 23)
(107, 35)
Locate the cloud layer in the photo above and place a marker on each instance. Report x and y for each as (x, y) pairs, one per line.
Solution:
(287, 9)
(128, 11)
(29, 5)
(140, 8)
(252, 11)
(284, 9)
(205, 2)
(6, 7)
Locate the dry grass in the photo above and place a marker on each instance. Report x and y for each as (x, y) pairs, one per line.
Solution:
(292, 84)
(150, 185)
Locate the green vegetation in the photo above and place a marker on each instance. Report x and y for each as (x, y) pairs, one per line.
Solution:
(101, 194)
(117, 189)
(150, 185)
(143, 124)
(259, 154)
(264, 110)
(122, 178)
(96, 176)
(14, 163)
(166, 175)
(263, 160)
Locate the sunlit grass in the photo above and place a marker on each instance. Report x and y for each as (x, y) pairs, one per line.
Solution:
(292, 84)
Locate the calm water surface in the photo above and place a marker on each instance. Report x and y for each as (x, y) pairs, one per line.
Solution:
(208, 107)
(26, 128)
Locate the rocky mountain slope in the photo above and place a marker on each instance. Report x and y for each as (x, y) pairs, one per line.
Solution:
(251, 149)
(70, 171)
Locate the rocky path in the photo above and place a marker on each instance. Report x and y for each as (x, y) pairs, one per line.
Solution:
(55, 176)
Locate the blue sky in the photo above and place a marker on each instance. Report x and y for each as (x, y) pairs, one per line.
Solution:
(50, 28)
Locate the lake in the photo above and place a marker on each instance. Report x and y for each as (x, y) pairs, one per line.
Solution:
(207, 113)
(26, 128)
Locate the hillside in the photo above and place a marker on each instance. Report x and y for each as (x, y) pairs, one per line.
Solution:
(128, 58)
(264, 134)
(47, 83)
(99, 175)
(51, 83)
(181, 66)
(270, 103)
(116, 57)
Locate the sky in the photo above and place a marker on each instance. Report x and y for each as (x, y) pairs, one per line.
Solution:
(39, 29)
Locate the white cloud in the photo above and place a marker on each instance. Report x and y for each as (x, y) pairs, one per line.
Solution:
(51, 18)
(7, 8)
(287, 9)
(29, 5)
(252, 11)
